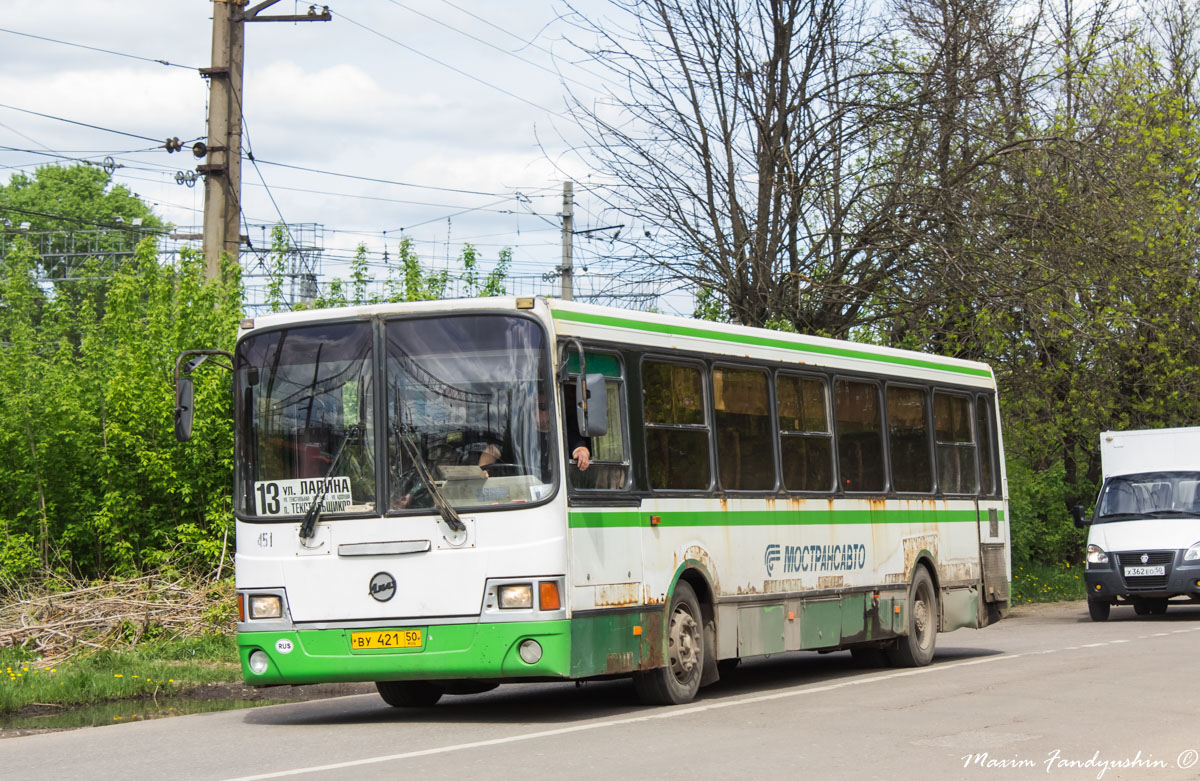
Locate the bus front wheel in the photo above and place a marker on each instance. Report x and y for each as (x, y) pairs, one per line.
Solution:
(409, 694)
(916, 648)
(679, 680)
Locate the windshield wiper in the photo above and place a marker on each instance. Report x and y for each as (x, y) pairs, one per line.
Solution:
(1172, 513)
(439, 501)
(309, 525)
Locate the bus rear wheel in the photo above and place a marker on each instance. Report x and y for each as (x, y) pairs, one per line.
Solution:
(679, 680)
(409, 694)
(916, 648)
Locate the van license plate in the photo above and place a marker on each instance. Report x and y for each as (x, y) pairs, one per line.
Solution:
(397, 638)
(1141, 572)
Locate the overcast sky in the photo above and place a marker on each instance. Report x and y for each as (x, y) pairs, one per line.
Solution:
(452, 94)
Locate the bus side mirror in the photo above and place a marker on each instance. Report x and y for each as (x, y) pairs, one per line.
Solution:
(1077, 516)
(184, 407)
(591, 405)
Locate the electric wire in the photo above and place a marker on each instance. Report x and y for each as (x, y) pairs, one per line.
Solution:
(489, 44)
(83, 221)
(96, 49)
(75, 122)
(459, 71)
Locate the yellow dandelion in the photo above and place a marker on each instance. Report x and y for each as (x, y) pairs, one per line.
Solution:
(118, 675)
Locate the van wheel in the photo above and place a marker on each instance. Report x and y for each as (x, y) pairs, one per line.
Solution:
(1098, 609)
(409, 694)
(1141, 606)
(916, 648)
(1157, 606)
(679, 681)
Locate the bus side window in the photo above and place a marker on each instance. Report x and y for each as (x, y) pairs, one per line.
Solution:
(955, 443)
(676, 427)
(609, 469)
(987, 472)
(908, 439)
(805, 441)
(742, 407)
(859, 436)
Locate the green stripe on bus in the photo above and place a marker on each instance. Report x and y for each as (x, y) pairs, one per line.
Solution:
(760, 341)
(615, 520)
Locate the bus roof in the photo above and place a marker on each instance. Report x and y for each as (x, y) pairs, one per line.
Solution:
(671, 332)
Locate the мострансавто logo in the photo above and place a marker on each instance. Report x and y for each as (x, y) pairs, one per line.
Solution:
(771, 557)
(815, 558)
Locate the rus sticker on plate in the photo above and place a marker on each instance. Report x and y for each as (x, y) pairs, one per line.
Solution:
(294, 497)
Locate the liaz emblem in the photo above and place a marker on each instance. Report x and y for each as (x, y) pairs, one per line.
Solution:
(383, 586)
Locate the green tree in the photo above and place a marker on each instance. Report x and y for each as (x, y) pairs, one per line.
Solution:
(79, 207)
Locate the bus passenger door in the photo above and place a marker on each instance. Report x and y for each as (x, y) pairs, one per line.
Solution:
(990, 509)
(604, 522)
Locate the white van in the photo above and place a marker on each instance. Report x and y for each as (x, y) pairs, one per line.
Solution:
(1144, 541)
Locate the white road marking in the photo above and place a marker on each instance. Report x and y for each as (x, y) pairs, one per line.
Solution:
(672, 713)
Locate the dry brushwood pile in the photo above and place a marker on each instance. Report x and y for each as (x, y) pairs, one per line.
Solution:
(58, 619)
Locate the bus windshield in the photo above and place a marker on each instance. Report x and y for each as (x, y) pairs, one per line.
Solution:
(467, 399)
(1152, 494)
(305, 406)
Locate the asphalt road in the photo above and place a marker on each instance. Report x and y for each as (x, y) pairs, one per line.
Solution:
(1045, 694)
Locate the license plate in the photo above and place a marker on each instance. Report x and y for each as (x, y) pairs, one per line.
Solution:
(1141, 572)
(392, 638)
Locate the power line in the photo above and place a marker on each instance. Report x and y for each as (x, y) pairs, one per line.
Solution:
(380, 181)
(85, 160)
(459, 71)
(491, 45)
(82, 221)
(74, 122)
(96, 49)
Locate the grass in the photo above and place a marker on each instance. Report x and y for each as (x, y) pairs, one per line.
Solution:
(151, 669)
(1037, 582)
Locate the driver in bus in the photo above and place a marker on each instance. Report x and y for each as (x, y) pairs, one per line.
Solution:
(577, 444)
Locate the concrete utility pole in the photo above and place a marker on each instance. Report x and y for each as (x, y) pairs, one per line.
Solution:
(223, 170)
(568, 235)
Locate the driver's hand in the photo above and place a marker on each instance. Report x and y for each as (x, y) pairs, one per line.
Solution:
(582, 457)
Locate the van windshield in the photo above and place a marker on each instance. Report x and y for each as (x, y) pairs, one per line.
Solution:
(1151, 494)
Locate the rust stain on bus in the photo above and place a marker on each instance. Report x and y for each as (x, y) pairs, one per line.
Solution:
(652, 642)
(617, 595)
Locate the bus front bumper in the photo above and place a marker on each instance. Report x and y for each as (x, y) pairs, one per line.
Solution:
(447, 652)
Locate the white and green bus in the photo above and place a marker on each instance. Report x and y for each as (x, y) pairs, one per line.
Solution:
(409, 511)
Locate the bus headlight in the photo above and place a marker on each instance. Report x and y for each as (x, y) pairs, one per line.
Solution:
(258, 662)
(1193, 553)
(1095, 555)
(266, 606)
(515, 595)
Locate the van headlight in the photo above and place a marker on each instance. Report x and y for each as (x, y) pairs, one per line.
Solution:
(1097, 556)
(1193, 553)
